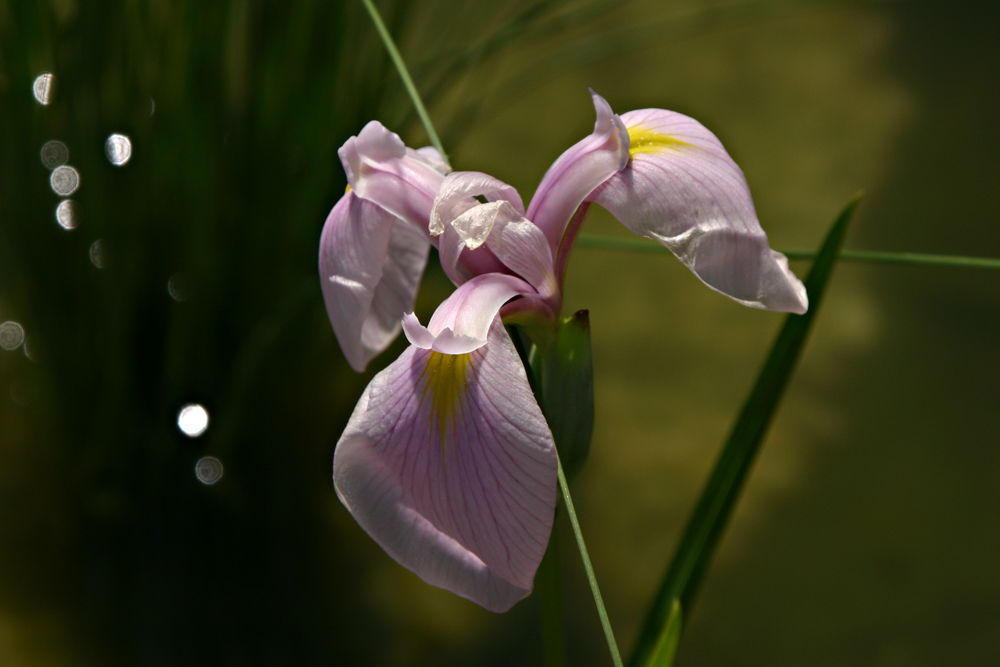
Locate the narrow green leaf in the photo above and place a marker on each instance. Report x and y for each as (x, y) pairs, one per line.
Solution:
(921, 259)
(711, 514)
(913, 258)
(666, 646)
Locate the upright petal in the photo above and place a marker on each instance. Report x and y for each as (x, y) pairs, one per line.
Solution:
(370, 266)
(381, 169)
(682, 189)
(448, 464)
(461, 323)
(579, 170)
(460, 258)
(516, 241)
(456, 195)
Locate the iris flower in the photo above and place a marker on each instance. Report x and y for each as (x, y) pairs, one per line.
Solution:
(447, 461)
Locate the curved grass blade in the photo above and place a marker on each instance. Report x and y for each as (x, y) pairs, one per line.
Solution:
(710, 516)
(600, 242)
(666, 646)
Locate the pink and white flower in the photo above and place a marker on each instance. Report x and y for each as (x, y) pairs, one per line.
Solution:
(447, 461)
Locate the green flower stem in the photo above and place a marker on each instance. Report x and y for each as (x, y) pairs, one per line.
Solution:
(644, 245)
(585, 557)
(404, 74)
(521, 344)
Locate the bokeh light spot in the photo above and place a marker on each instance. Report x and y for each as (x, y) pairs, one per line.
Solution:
(177, 286)
(29, 350)
(43, 87)
(118, 148)
(65, 180)
(66, 214)
(11, 335)
(208, 470)
(54, 154)
(192, 420)
(97, 254)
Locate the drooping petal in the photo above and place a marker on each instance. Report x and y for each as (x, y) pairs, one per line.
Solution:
(461, 323)
(370, 266)
(579, 170)
(448, 464)
(682, 189)
(381, 169)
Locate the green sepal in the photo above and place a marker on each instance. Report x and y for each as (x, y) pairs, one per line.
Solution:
(567, 383)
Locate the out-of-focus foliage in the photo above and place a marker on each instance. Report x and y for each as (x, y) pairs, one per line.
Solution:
(869, 532)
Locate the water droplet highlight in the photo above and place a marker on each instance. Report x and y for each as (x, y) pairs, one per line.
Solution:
(43, 87)
(118, 148)
(65, 180)
(208, 470)
(192, 420)
(66, 214)
(11, 335)
(54, 154)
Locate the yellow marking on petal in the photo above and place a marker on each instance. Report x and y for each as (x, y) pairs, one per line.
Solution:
(446, 379)
(642, 139)
(347, 189)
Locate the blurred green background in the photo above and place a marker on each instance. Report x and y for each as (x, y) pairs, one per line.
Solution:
(870, 530)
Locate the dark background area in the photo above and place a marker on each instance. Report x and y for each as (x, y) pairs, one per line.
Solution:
(870, 530)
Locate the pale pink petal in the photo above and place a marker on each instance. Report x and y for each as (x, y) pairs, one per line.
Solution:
(382, 170)
(682, 189)
(370, 266)
(461, 322)
(448, 464)
(576, 173)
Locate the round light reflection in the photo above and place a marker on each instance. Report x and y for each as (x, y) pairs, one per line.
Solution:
(65, 180)
(208, 470)
(54, 154)
(11, 335)
(43, 87)
(192, 420)
(118, 148)
(66, 214)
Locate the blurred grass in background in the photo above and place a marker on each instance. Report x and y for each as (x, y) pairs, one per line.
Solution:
(870, 532)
